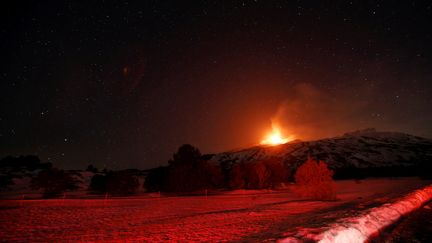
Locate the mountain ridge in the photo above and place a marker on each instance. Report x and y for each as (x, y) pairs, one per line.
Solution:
(360, 149)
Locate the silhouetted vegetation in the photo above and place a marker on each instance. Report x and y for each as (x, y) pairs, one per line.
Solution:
(257, 175)
(17, 167)
(187, 171)
(156, 178)
(115, 183)
(425, 169)
(98, 184)
(190, 171)
(29, 162)
(91, 168)
(5, 180)
(53, 182)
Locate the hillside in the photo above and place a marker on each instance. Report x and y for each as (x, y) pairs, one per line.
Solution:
(360, 154)
(366, 151)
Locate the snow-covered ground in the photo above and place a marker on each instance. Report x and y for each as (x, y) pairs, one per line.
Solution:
(368, 224)
(241, 216)
(417, 227)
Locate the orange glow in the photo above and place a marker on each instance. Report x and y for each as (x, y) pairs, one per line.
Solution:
(275, 137)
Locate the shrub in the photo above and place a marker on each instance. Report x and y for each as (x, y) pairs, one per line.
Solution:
(192, 176)
(314, 180)
(5, 180)
(278, 173)
(115, 183)
(30, 162)
(188, 170)
(122, 183)
(257, 175)
(53, 182)
(98, 184)
(91, 168)
(156, 179)
(237, 175)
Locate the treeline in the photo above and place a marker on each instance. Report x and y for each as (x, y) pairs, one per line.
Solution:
(29, 162)
(13, 167)
(116, 183)
(189, 170)
(54, 182)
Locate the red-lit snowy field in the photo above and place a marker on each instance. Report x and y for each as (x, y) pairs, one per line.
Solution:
(233, 216)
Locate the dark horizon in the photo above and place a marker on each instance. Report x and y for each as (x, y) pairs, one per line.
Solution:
(123, 85)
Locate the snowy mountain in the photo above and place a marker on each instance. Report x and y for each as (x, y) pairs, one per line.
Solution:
(364, 149)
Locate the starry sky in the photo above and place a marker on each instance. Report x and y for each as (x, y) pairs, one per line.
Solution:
(123, 84)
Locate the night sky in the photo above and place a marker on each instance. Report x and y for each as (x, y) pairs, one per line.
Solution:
(123, 85)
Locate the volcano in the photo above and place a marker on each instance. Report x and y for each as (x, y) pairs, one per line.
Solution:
(362, 153)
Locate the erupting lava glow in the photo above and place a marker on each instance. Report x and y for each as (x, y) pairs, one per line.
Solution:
(275, 137)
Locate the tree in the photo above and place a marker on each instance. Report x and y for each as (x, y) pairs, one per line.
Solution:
(5, 180)
(196, 175)
(115, 183)
(278, 172)
(30, 162)
(186, 154)
(257, 175)
(122, 183)
(267, 173)
(188, 171)
(98, 184)
(251, 175)
(156, 179)
(91, 168)
(314, 180)
(53, 182)
(237, 176)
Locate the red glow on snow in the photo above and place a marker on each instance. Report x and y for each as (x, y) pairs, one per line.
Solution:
(243, 215)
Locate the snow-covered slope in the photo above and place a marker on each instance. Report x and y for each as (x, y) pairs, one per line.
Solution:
(361, 149)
